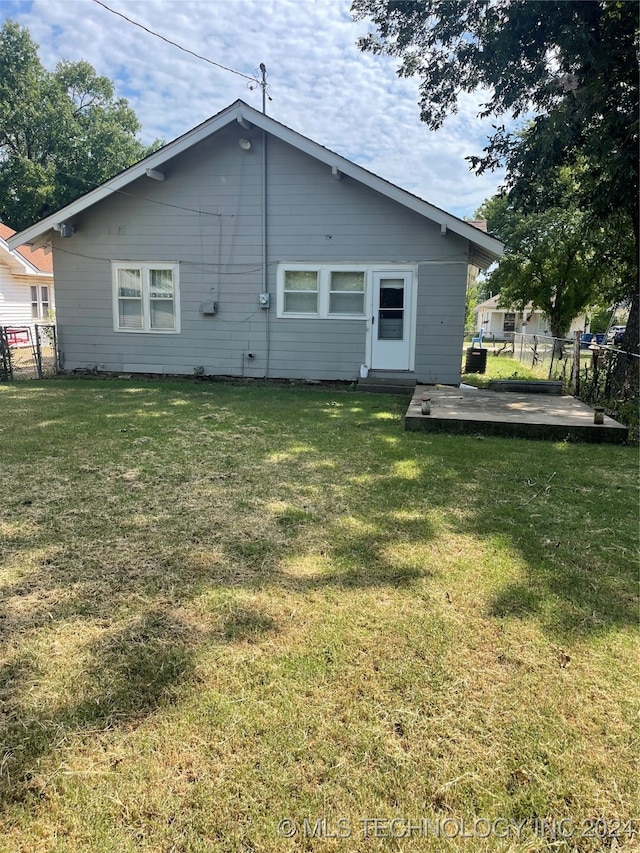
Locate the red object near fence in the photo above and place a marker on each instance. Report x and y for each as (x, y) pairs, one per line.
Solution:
(18, 337)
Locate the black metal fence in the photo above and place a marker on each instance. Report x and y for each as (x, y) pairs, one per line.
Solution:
(552, 358)
(28, 352)
(599, 378)
(590, 371)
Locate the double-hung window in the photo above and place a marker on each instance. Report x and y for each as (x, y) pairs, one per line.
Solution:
(346, 292)
(40, 305)
(146, 297)
(300, 292)
(321, 291)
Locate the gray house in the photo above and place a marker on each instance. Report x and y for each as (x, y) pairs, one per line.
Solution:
(245, 249)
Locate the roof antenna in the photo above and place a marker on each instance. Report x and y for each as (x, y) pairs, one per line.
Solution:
(263, 85)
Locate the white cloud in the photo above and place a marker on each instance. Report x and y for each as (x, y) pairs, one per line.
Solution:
(321, 84)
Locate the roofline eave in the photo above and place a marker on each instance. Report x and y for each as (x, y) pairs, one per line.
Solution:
(242, 112)
(19, 265)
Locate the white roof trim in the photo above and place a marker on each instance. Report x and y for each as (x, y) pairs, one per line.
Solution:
(19, 265)
(488, 248)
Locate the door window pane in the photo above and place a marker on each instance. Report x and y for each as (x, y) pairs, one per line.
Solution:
(392, 293)
(391, 313)
(391, 326)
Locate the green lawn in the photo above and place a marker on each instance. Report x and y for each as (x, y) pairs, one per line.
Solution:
(501, 364)
(502, 367)
(224, 605)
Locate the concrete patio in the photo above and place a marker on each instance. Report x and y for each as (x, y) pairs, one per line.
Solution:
(471, 410)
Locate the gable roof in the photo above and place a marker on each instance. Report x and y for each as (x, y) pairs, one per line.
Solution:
(484, 248)
(24, 261)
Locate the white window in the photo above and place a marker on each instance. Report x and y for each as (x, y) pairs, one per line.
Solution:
(40, 305)
(346, 292)
(300, 292)
(146, 297)
(336, 292)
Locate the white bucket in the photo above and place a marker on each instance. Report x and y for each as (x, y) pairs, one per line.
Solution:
(364, 371)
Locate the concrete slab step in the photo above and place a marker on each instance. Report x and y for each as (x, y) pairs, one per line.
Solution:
(389, 386)
(527, 386)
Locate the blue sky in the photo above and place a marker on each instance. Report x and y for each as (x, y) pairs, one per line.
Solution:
(320, 83)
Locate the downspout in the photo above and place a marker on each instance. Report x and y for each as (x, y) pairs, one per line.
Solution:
(265, 287)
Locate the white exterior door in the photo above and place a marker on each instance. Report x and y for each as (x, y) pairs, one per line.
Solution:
(391, 321)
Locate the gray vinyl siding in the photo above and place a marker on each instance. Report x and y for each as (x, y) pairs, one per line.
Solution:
(312, 217)
(440, 322)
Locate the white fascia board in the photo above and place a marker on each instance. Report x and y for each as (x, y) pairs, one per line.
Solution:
(242, 113)
(18, 265)
(138, 170)
(36, 273)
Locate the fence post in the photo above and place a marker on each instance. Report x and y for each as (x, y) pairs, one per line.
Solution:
(54, 344)
(576, 364)
(6, 371)
(38, 352)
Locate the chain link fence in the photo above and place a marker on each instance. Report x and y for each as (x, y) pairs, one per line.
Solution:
(28, 352)
(552, 358)
(587, 369)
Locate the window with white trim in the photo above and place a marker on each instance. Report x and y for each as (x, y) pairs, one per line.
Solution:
(300, 292)
(321, 291)
(346, 292)
(146, 297)
(40, 304)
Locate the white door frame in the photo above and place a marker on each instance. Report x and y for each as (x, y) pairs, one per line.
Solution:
(385, 355)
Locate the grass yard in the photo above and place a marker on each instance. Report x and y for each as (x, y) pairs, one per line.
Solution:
(503, 367)
(226, 606)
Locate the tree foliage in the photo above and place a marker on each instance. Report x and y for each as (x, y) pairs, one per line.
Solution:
(568, 70)
(546, 261)
(61, 133)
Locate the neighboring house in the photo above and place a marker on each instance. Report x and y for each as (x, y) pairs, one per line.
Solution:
(26, 287)
(244, 248)
(500, 323)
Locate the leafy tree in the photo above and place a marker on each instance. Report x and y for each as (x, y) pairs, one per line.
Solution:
(601, 319)
(572, 65)
(61, 133)
(546, 261)
(472, 298)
